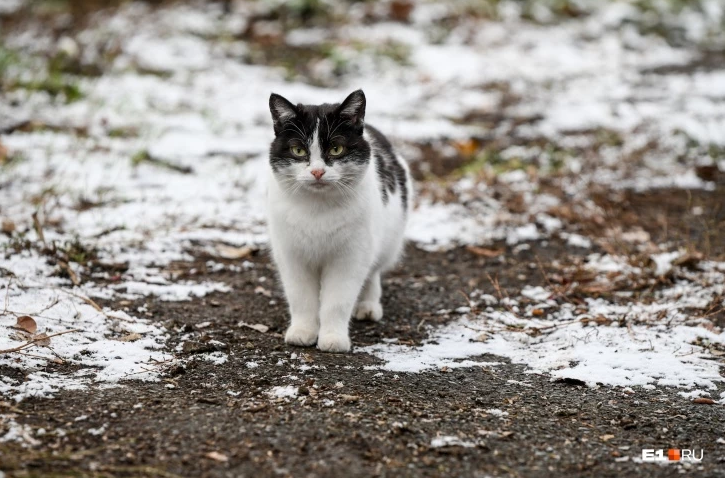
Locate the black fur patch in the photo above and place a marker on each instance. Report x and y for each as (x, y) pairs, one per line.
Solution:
(337, 125)
(390, 171)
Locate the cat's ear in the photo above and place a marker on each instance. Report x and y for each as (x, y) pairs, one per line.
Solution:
(353, 108)
(281, 109)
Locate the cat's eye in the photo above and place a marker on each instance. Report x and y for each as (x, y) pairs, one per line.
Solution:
(336, 150)
(298, 151)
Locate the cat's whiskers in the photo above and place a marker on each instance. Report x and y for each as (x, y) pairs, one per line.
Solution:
(303, 135)
(296, 134)
(339, 123)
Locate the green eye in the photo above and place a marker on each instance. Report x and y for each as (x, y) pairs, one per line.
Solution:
(297, 151)
(336, 150)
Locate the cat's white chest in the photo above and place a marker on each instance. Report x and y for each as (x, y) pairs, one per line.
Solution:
(314, 231)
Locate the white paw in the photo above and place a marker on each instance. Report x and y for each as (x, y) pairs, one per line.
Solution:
(300, 336)
(334, 343)
(369, 311)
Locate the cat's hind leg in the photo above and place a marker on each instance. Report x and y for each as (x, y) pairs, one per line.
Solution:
(368, 305)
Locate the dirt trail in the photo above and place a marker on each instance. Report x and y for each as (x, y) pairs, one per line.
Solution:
(221, 420)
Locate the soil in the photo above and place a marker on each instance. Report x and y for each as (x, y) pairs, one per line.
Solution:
(218, 420)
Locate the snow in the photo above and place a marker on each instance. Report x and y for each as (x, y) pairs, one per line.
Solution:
(217, 358)
(496, 412)
(288, 391)
(450, 440)
(662, 344)
(663, 262)
(577, 240)
(445, 348)
(22, 434)
(97, 344)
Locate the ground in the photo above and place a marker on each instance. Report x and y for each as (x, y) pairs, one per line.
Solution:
(345, 419)
(560, 306)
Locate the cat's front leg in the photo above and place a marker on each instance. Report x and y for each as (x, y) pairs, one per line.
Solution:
(302, 289)
(341, 283)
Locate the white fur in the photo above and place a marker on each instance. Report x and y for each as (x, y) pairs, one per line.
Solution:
(331, 247)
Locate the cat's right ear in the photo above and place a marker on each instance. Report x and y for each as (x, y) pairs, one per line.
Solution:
(282, 111)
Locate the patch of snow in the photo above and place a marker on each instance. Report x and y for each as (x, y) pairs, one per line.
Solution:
(496, 412)
(537, 293)
(22, 434)
(663, 262)
(217, 358)
(660, 348)
(443, 349)
(449, 440)
(287, 391)
(577, 240)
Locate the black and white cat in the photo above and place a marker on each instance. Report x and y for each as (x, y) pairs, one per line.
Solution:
(338, 202)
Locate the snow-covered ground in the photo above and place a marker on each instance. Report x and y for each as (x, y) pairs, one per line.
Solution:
(164, 154)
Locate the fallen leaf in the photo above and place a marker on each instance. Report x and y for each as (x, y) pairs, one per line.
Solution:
(401, 10)
(258, 327)
(8, 226)
(709, 172)
(261, 290)
(216, 456)
(42, 340)
(483, 252)
(689, 260)
(27, 323)
(130, 337)
(606, 437)
(482, 337)
(704, 401)
(466, 147)
(537, 312)
(230, 252)
(350, 398)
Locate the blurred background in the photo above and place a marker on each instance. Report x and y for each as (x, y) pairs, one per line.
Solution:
(510, 112)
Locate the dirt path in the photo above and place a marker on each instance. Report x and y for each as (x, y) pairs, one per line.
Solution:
(348, 418)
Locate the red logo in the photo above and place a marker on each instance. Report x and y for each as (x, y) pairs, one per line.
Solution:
(673, 454)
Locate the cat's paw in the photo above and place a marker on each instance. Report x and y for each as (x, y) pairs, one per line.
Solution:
(334, 343)
(368, 310)
(300, 336)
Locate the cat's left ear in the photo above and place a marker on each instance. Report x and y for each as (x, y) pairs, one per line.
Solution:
(353, 108)
(282, 110)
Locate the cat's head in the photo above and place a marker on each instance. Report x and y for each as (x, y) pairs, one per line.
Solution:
(319, 149)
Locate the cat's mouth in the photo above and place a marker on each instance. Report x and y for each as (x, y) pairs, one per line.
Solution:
(319, 185)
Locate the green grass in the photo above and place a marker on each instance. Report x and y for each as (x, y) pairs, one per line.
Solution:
(48, 76)
(76, 251)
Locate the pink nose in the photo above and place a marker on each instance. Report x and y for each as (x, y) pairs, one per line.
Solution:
(318, 173)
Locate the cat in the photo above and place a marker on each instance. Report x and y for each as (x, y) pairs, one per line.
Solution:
(338, 201)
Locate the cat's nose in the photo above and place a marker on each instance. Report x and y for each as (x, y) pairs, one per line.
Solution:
(318, 173)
